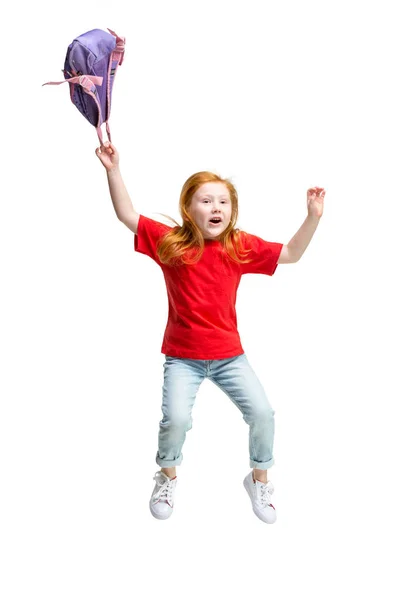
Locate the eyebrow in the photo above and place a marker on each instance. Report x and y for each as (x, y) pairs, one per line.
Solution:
(210, 196)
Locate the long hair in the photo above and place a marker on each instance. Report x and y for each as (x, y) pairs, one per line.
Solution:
(185, 243)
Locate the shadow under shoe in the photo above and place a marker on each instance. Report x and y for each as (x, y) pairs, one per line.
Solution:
(162, 498)
(260, 496)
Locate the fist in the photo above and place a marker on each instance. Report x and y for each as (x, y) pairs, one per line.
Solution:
(108, 155)
(315, 201)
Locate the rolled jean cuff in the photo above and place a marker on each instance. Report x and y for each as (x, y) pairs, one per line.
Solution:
(163, 462)
(262, 465)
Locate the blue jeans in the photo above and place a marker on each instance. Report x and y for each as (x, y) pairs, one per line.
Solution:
(235, 377)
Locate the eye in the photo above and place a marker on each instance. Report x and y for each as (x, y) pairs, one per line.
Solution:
(222, 201)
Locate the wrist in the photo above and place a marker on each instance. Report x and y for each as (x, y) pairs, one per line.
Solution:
(113, 171)
(314, 218)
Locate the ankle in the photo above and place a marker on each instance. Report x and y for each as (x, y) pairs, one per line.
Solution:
(169, 472)
(262, 477)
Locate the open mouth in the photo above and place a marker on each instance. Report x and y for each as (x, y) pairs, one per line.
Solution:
(216, 220)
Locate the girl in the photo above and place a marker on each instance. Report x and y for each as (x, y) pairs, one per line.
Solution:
(202, 263)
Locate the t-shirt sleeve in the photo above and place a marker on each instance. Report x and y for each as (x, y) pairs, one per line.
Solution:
(149, 232)
(264, 255)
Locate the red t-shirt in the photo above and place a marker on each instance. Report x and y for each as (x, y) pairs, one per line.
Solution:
(201, 297)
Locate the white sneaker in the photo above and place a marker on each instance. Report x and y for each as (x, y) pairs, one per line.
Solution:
(162, 498)
(260, 496)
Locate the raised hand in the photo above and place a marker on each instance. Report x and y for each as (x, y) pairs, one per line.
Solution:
(108, 155)
(315, 201)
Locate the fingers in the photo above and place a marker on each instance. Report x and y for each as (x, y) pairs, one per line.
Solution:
(316, 190)
(106, 148)
(109, 147)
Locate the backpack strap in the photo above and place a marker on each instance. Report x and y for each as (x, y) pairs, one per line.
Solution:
(86, 81)
(119, 50)
(116, 59)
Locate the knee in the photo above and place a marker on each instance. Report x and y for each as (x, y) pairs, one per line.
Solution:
(177, 422)
(262, 414)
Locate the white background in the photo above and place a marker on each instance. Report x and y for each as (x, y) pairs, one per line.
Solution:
(280, 97)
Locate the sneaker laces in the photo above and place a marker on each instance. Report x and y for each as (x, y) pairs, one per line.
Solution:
(266, 490)
(164, 494)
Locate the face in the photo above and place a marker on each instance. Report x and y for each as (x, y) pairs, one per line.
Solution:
(211, 200)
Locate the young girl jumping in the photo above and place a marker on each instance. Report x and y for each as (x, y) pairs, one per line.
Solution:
(202, 262)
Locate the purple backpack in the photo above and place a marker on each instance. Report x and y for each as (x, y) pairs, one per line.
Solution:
(90, 67)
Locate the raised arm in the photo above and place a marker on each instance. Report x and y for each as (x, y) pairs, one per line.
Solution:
(121, 201)
(124, 210)
(299, 242)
